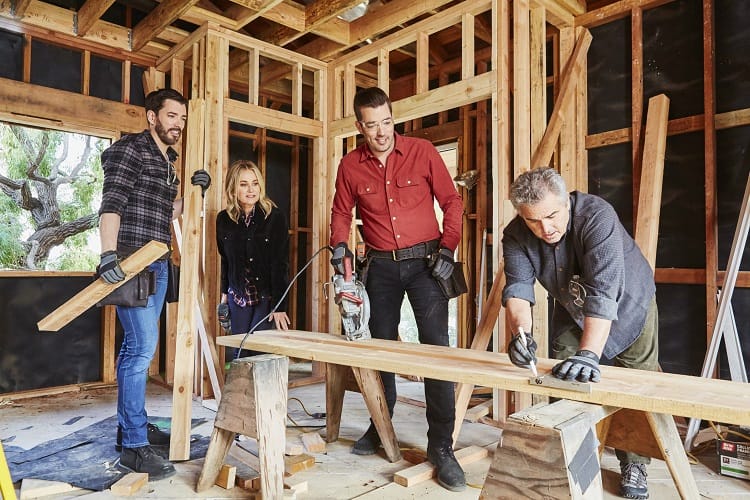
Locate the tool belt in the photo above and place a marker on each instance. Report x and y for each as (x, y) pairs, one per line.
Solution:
(419, 251)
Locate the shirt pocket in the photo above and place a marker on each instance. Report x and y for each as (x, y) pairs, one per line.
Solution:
(370, 199)
(411, 191)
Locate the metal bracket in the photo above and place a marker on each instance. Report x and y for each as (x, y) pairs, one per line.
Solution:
(552, 381)
(75, 23)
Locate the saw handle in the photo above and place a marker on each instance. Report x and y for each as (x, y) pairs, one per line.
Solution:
(347, 268)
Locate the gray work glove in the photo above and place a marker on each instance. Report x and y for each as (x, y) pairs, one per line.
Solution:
(341, 252)
(443, 266)
(583, 367)
(222, 311)
(109, 267)
(202, 179)
(520, 354)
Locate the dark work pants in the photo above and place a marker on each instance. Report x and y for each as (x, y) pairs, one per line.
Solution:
(387, 281)
(244, 318)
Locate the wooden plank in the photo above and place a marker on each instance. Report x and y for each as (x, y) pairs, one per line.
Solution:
(423, 62)
(424, 471)
(130, 484)
(36, 488)
(227, 477)
(652, 175)
(673, 394)
(259, 116)
(636, 98)
(665, 432)
(521, 88)
(298, 463)
(371, 388)
(99, 289)
(543, 154)
(474, 413)
(24, 100)
(313, 442)
(179, 448)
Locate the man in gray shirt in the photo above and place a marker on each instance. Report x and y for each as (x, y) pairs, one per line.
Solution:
(603, 289)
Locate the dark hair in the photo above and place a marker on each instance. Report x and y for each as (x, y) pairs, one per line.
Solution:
(531, 187)
(371, 97)
(155, 100)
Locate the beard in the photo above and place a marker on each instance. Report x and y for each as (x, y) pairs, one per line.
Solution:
(164, 133)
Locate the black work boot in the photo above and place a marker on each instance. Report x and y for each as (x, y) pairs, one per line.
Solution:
(368, 444)
(450, 475)
(156, 437)
(633, 481)
(145, 459)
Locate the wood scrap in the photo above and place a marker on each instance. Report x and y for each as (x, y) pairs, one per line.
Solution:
(424, 471)
(299, 463)
(414, 456)
(227, 476)
(313, 442)
(474, 413)
(294, 447)
(295, 484)
(35, 488)
(130, 484)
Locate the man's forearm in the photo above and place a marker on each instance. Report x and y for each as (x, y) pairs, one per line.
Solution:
(109, 227)
(595, 334)
(519, 314)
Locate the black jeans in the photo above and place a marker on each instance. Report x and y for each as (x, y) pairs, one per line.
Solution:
(387, 281)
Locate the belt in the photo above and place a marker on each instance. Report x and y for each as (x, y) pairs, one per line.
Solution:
(418, 251)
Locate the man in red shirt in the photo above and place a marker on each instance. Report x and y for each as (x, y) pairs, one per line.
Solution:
(394, 180)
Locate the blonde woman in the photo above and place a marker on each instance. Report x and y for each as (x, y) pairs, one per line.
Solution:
(253, 241)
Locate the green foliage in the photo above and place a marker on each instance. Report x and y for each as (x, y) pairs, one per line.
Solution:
(76, 199)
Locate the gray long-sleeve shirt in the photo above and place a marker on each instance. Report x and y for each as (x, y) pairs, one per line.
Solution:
(595, 270)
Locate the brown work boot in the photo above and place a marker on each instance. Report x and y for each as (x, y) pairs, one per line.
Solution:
(368, 444)
(450, 475)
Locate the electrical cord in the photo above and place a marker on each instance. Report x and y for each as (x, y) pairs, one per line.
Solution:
(283, 296)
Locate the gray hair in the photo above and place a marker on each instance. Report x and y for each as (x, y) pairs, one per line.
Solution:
(531, 187)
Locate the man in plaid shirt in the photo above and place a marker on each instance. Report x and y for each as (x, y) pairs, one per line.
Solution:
(138, 205)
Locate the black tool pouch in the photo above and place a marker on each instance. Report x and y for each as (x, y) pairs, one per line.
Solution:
(134, 293)
(455, 284)
(173, 282)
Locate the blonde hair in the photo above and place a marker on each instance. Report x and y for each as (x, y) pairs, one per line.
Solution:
(230, 189)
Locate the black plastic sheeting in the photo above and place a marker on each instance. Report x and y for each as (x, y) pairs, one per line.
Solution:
(30, 359)
(673, 65)
(85, 458)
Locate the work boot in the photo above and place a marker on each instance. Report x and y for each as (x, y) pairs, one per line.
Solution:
(368, 444)
(633, 481)
(145, 459)
(450, 475)
(156, 437)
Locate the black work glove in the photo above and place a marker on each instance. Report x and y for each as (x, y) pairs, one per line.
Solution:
(202, 179)
(109, 267)
(341, 252)
(443, 266)
(222, 311)
(522, 355)
(583, 367)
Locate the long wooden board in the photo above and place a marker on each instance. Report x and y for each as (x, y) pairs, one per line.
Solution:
(672, 394)
(99, 289)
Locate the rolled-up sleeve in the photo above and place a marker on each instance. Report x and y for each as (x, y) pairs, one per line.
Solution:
(519, 271)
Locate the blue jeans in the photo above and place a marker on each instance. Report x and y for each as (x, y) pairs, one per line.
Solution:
(387, 281)
(140, 336)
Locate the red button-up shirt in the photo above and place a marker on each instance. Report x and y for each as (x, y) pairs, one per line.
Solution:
(395, 200)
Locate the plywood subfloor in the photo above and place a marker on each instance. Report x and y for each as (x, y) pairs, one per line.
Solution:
(337, 473)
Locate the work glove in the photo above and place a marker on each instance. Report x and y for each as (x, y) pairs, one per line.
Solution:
(583, 367)
(202, 179)
(443, 266)
(109, 267)
(341, 252)
(520, 354)
(222, 311)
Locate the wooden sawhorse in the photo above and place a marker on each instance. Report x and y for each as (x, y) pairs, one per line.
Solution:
(338, 380)
(253, 404)
(553, 450)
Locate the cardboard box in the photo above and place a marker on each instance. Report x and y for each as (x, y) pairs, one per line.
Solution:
(734, 458)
